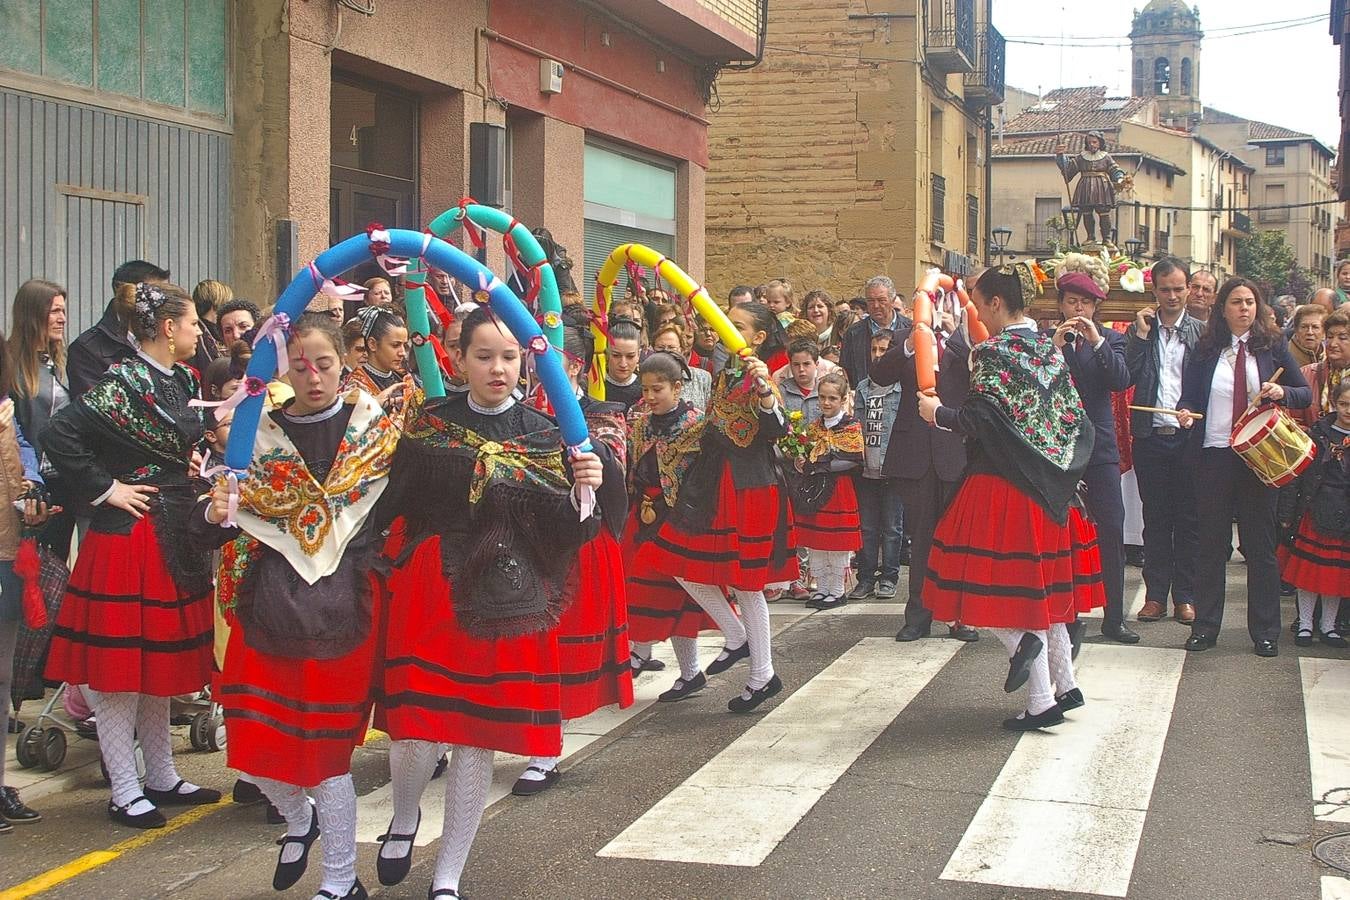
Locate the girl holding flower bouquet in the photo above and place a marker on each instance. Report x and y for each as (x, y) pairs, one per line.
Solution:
(732, 525)
(823, 500)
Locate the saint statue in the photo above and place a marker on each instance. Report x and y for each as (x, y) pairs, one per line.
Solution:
(1094, 197)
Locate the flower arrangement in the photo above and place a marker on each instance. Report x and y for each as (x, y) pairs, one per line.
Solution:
(796, 443)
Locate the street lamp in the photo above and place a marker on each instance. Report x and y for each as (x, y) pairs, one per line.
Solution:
(1000, 238)
(1132, 247)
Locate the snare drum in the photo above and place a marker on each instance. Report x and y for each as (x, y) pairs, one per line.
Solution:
(1272, 445)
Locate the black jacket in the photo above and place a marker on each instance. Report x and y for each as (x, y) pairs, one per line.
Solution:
(1199, 376)
(855, 347)
(1323, 489)
(35, 413)
(1098, 374)
(914, 443)
(1141, 356)
(97, 348)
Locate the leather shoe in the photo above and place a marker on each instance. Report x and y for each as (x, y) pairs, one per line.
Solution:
(528, 787)
(683, 690)
(1197, 642)
(1267, 648)
(1184, 613)
(173, 797)
(963, 633)
(391, 870)
(288, 873)
(731, 657)
(1027, 722)
(740, 704)
(151, 818)
(912, 633)
(357, 892)
(1151, 611)
(648, 664)
(829, 602)
(1120, 632)
(1069, 700)
(1330, 638)
(1076, 631)
(13, 810)
(1019, 667)
(862, 590)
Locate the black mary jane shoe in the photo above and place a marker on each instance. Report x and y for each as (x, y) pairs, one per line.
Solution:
(1069, 700)
(528, 787)
(683, 690)
(152, 818)
(246, 792)
(649, 664)
(358, 892)
(832, 602)
(391, 870)
(433, 893)
(731, 657)
(288, 873)
(13, 810)
(1303, 637)
(742, 704)
(1027, 722)
(1019, 666)
(1333, 638)
(199, 797)
(963, 633)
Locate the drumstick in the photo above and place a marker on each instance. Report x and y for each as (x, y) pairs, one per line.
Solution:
(1271, 380)
(1165, 412)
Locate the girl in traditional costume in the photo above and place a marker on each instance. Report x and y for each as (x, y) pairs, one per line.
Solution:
(593, 633)
(483, 568)
(1315, 511)
(296, 574)
(731, 525)
(664, 439)
(824, 502)
(383, 374)
(136, 623)
(1013, 553)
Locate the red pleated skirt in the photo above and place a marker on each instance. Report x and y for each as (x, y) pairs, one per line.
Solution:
(658, 608)
(1316, 562)
(999, 561)
(296, 720)
(593, 633)
(438, 683)
(737, 549)
(125, 626)
(835, 526)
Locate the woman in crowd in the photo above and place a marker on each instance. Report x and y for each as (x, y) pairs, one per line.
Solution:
(1234, 367)
(732, 526)
(37, 356)
(209, 296)
(489, 531)
(622, 352)
(818, 309)
(237, 318)
(296, 683)
(384, 373)
(675, 339)
(136, 623)
(1012, 553)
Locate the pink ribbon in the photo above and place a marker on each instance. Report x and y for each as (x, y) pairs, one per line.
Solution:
(251, 386)
(276, 329)
(379, 241)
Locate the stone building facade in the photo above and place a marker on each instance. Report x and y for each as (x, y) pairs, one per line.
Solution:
(861, 150)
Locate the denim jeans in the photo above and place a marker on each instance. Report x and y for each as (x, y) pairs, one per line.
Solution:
(882, 516)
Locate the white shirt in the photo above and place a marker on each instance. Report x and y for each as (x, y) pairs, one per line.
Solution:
(834, 419)
(1219, 415)
(1171, 358)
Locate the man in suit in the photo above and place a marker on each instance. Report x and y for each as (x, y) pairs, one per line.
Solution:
(1096, 358)
(1158, 346)
(927, 462)
(883, 314)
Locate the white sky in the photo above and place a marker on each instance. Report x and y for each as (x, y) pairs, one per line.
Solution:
(1285, 77)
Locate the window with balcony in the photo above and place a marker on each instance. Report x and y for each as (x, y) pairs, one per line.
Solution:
(951, 38)
(972, 225)
(985, 84)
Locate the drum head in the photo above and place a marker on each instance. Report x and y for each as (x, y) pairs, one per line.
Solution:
(1253, 426)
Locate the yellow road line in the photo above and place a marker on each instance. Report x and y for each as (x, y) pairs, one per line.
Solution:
(90, 861)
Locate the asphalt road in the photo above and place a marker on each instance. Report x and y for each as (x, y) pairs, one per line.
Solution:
(880, 772)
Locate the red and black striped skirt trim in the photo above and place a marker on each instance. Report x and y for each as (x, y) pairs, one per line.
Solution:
(747, 545)
(1316, 561)
(835, 526)
(999, 561)
(124, 624)
(593, 633)
(658, 608)
(438, 683)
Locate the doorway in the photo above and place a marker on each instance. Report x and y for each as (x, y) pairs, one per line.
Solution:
(373, 157)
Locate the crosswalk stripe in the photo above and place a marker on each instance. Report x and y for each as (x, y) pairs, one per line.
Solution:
(1133, 605)
(1326, 704)
(1335, 888)
(1067, 811)
(740, 805)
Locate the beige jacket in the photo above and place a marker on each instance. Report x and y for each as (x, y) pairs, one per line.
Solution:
(12, 486)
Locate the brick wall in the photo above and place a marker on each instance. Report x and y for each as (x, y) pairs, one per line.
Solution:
(744, 14)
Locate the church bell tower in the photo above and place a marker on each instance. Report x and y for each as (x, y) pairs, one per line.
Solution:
(1165, 43)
